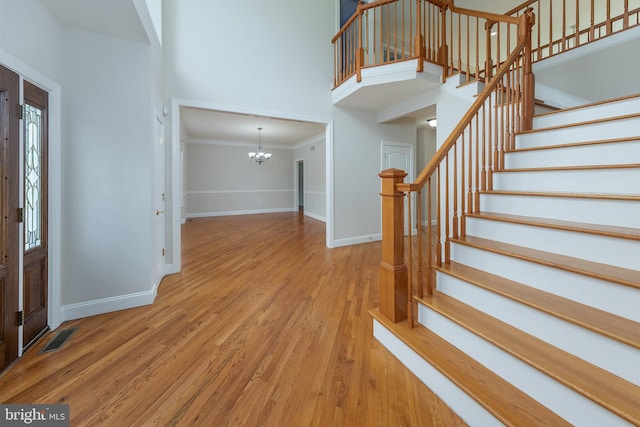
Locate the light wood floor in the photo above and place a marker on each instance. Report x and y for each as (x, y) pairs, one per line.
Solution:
(264, 326)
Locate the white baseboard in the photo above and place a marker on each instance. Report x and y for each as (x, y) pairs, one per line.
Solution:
(230, 213)
(357, 240)
(315, 216)
(106, 305)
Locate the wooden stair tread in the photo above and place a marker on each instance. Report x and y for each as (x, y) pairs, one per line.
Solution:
(572, 168)
(615, 327)
(582, 123)
(576, 144)
(601, 230)
(507, 403)
(610, 391)
(619, 275)
(593, 196)
(593, 104)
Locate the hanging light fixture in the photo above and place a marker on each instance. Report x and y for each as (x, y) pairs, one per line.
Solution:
(260, 156)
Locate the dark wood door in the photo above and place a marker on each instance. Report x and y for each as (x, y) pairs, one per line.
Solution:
(35, 213)
(9, 226)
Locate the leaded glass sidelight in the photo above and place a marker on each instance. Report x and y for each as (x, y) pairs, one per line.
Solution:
(33, 150)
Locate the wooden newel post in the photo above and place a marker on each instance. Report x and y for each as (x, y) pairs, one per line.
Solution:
(393, 273)
(360, 48)
(527, 21)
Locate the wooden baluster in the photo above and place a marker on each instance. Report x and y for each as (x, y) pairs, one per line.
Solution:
(564, 25)
(468, 49)
(477, 49)
(454, 225)
(609, 26)
(438, 221)
(593, 26)
(551, 28)
(470, 191)
(359, 50)
(420, 290)
(447, 249)
(488, 68)
(527, 21)
(443, 58)
(577, 27)
(539, 34)
(625, 19)
(459, 55)
(431, 280)
(393, 272)
(483, 172)
(410, 262)
(463, 174)
(367, 46)
(419, 49)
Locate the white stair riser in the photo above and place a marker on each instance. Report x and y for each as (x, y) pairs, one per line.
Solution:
(620, 213)
(597, 349)
(617, 153)
(570, 405)
(622, 128)
(601, 111)
(598, 181)
(608, 250)
(617, 299)
(464, 406)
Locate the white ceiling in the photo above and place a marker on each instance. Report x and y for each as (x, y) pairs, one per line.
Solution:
(202, 124)
(117, 18)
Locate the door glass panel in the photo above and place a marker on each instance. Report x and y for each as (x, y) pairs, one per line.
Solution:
(33, 177)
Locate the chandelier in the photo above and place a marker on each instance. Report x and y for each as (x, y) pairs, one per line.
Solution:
(260, 156)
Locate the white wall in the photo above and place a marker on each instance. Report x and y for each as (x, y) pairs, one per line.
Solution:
(313, 155)
(104, 225)
(220, 179)
(285, 74)
(107, 167)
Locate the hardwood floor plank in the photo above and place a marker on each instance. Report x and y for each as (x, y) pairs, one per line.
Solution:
(264, 326)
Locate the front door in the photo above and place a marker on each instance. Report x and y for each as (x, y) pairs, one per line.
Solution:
(9, 215)
(35, 283)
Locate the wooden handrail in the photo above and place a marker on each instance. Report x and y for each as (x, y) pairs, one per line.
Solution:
(459, 171)
(437, 158)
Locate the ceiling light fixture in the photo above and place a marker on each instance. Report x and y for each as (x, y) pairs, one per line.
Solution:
(432, 122)
(260, 157)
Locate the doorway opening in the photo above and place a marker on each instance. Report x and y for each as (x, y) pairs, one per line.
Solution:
(300, 181)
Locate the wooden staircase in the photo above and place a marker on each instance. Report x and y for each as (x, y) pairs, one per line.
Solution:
(536, 320)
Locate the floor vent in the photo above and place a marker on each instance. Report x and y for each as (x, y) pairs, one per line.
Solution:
(59, 340)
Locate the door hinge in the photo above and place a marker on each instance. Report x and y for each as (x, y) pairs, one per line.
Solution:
(162, 251)
(21, 318)
(22, 111)
(20, 214)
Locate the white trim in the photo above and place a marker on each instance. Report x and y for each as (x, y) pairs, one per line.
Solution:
(237, 191)
(106, 305)
(231, 143)
(358, 240)
(329, 207)
(55, 317)
(309, 141)
(230, 213)
(315, 216)
(316, 193)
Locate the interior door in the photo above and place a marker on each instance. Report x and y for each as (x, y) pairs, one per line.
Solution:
(400, 156)
(35, 277)
(9, 226)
